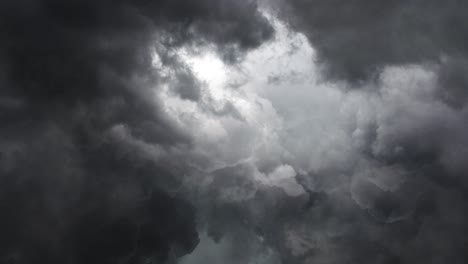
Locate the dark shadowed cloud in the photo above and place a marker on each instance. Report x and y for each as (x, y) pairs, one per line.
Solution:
(225, 131)
(356, 39)
(83, 134)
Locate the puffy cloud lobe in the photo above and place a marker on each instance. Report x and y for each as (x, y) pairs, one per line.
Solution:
(84, 139)
(398, 179)
(76, 202)
(357, 39)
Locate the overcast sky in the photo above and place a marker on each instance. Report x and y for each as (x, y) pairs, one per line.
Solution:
(233, 131)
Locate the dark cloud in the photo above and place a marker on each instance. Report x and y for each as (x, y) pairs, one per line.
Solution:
(96, 167)
(453, 81)
(364, 225)
(384, 183)
(83, 135)
(356, 39)
(403, 200)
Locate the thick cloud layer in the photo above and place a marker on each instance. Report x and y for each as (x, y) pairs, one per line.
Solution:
(308, 171)
(221, 131)
(356, 39)
(83, 137)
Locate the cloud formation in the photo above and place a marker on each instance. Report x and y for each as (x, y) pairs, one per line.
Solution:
(84, 138)
(233, 132)
(378, 171)
(355, 40)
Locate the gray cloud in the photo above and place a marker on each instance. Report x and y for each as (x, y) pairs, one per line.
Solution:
(355, 40)
(380, 168)
(121, 143)
(84, 172)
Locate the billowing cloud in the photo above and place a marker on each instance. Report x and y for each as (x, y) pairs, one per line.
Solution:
(376, 169)
(223, 131)
(355, 40)
(84, 145)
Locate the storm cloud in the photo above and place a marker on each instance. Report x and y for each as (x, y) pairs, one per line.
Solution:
(329, 170)
(355, 40)
(223, 131)
(82, 135)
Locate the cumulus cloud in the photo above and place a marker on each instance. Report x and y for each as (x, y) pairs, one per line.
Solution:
(85, 172)
(355, 40)
(321, 173)
(222, 131)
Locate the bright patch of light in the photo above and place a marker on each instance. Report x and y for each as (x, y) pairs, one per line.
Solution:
(209, 69)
